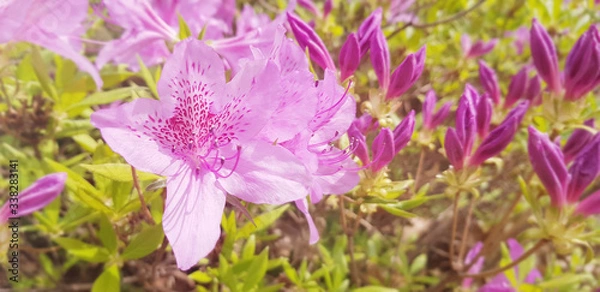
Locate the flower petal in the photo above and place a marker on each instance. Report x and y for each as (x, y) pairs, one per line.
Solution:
(192, 215)
(122, 128)
(267, 174)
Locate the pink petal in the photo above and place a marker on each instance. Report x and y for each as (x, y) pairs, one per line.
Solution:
(192, 63)
(122, 128)
(267, 174)
(148, 45)
(192, 215)
(314, 233)
(590, 205)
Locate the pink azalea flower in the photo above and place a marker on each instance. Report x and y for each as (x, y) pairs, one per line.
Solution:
(205, 136)
(35, 197)
(327, 112)
(148, 25)
(53, 24)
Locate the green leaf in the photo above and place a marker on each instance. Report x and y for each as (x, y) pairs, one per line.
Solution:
(257, 270)
(144, 243)
(395, 211)
(109, 280)
(184, 29)
(107, 234)
(200, 277)
(80, 187)
(262, 222)
(147, 76)
(86, 142)
(82, 250)
(249, 248)
(564, 280)
(418, 264)
(41, 72)
(104, 97)
(118, 172)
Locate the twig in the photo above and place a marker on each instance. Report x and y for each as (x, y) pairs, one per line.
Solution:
(463, 239)
(350, 236)
(435, 23)
(419, 170)
(453, 234)
(496, 271)
(136, 185)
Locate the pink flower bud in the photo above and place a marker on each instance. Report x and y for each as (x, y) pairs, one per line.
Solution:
(454, 149)
(533, 93)
(383, 149)
(582, 68)
(484, 115)
(584, 170)
(466, 123)
(590, 205)
(577, 141)
(489, 81)
(406, 74)
(516, 88)
(349, 58)
(501, 136)
(35, 197)
(308, 38)
(327, 7)
(430, 119)
(403, 132)
(480, 48)
(544, 56)
(548, 163)
(367, 28)
(380, 58)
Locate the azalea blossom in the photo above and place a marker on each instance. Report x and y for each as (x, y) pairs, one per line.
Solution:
(149, 25)
(204, 135)
(53, 24)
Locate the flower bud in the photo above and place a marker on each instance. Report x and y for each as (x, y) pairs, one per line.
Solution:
(584, 170)
(403, 132)
(577, 141)
(480, 48)
(349, 58)
(544, 56)
(327, 7)
(432, 120)
(466, 124)
(501, 136)
(489, 81)
(308, 38)
(548, 163)
(484, 115)
(357, 139)
(35, 197)
(582, 68)
(383, 149)
(380, 58)
(309, 5)
(455, 151)
(366, 30)
(590, 205)
(406, 74)
(534, 91)
(516, 88)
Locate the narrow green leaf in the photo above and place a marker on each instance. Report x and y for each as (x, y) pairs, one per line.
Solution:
(184, 29)
(41, 72)
(262, 222)
(107, 234)
(82, 250)
(147, 76)
(374, 289)
(109, 280)
(257, 270)
(118, 172)
(144, 243)
(105, 97)
(396, 212)
(200, 277)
